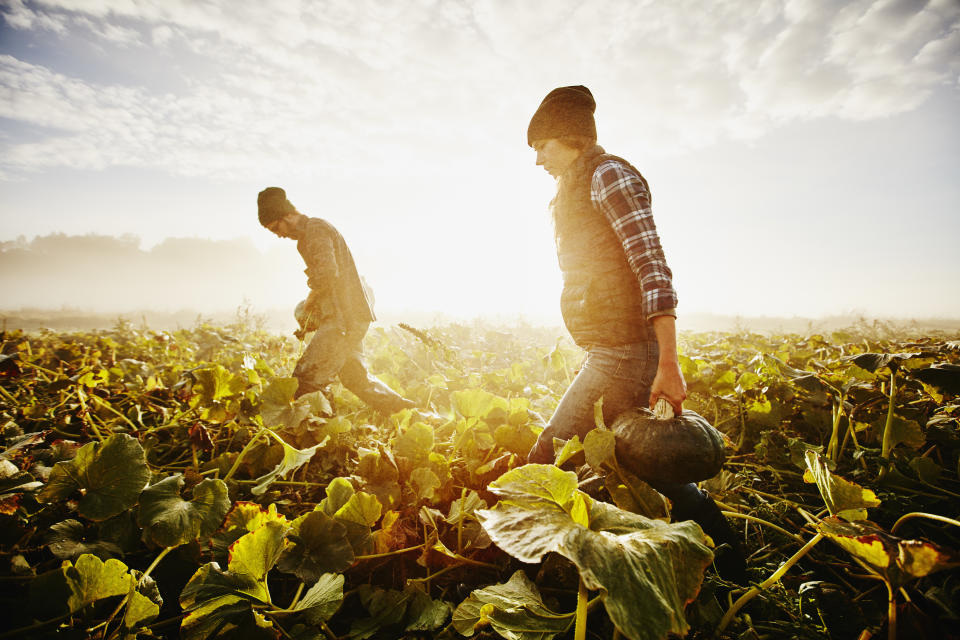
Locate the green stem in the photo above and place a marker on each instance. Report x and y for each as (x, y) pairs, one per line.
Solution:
(580, 630)
(773, 579)
(243, 452)
(100, 402)
(388, 553)
(919, 514)
(734, 514)
(888, 427)
(891, 612)
(26, 631)
(833, 452)
(296, 596)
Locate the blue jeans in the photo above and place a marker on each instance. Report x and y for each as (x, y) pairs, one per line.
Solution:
(622, 376)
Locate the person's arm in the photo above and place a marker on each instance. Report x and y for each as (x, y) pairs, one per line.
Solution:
(624, 198)
(317, 248)
(668, 383)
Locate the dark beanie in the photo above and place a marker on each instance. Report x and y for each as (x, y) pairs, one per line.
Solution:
(567, 111)
(272, 205)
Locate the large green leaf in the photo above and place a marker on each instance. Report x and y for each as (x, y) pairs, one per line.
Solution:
(398, 611)
(320, 546)
(111, 475)
(541, 510)
(70, 539)
(898, 560)
(513, 609)
(219, 604)
(292, 460)
(843, 498)
(90, 580)
(477, 403)
(243, 518)
(255, 553)
(323, 599)
(279, 410)
(169, 521)
(415, 442)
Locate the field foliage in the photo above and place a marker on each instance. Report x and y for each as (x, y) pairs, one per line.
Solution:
(166, 484)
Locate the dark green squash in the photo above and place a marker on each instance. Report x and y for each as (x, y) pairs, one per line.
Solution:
(675, 449)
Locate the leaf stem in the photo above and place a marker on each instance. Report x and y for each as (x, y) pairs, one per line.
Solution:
(243, 452)
(919, 514)
(734, 514)
(390, 553)
(773, 579)
(580, 629)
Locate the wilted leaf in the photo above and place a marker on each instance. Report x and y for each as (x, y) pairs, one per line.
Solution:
(638, 497)
(843, 498)
(906, 432)
(292, 460)
(513, 609)
(599, 446)
(111, 473)
(169, 521)
(898, 560)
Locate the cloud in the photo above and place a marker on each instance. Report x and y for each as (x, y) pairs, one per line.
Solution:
(292, 85)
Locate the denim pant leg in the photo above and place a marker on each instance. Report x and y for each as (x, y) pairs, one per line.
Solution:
(620, 375)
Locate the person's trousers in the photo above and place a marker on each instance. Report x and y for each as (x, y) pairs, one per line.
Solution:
(333, 353)
(622, 376)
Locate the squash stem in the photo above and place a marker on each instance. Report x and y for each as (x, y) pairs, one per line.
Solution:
(773, 579)
(580, 630)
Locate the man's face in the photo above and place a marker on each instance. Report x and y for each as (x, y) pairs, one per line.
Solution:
(554, 156)
(284, 227)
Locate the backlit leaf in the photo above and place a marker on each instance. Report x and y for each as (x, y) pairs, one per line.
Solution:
(513, 609)
(898, 560)
(320, 546)
(111, 475)
(169, 521)
(843, 498)
(292, 460)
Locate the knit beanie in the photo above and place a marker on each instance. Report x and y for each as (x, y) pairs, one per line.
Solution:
(566, 111)
(272, 204)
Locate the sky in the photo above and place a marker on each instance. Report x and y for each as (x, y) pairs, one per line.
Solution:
(803, 155)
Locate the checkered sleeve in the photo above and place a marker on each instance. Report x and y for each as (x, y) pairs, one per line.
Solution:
(624, 198)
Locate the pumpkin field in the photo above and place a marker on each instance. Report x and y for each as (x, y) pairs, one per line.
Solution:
(166, 484)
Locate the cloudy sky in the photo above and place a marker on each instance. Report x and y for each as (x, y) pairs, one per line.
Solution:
(803, 155)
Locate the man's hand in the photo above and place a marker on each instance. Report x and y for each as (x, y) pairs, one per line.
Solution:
(669, 385)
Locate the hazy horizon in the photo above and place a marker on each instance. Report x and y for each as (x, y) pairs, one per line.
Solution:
(802, 155)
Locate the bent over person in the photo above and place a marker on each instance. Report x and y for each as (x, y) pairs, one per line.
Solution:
(618, 300)
(337, 308)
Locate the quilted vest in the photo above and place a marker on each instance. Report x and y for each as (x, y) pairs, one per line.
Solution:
(601, 299)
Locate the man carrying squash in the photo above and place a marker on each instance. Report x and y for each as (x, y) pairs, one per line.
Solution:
(618, 299)
(337, 308)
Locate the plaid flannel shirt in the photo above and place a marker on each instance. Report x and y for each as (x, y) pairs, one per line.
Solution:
(624, 199)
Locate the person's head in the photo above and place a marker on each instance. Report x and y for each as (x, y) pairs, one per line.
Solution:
(562, 128)
(276, 213)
